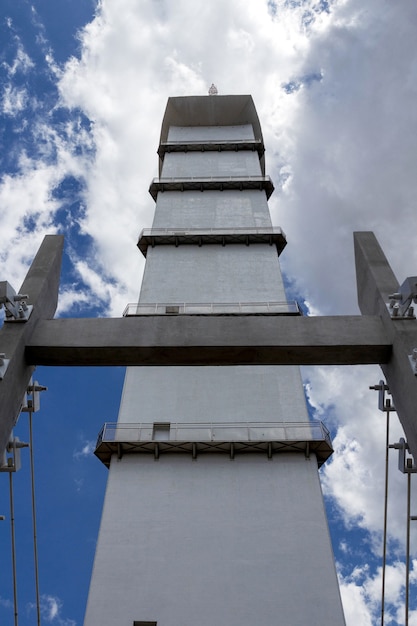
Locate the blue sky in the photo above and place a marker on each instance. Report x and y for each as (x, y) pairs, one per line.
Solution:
(83, 90)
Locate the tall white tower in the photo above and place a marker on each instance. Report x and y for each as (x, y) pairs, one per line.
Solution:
(213, 512)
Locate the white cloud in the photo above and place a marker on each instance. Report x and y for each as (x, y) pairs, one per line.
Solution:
(74, 299)
(50, 607)
(13, 101)
(355, 605)
(86, 450)
(8, 604)
(22, 63)
(351, 151)
(51, 611)
(362, 592)
(354, 477)
(27, 198)
(28, 211)
(79, 483)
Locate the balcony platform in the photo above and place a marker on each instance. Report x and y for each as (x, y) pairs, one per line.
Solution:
(212, 308)
(231, 438)
(196, 236)
(211, 183)
(211, 146)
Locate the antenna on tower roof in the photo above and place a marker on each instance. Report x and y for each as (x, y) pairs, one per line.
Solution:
(213, 90)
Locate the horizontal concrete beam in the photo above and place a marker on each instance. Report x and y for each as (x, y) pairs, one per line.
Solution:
(209, 340)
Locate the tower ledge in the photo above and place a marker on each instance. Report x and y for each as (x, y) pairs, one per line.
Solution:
(229, 110)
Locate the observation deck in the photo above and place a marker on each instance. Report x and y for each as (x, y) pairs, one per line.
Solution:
(211, 146)
(212, 308)
(232, 438)
(211, 183)
(203, 236)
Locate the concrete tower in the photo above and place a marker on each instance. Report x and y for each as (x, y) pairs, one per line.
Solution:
(213, 513)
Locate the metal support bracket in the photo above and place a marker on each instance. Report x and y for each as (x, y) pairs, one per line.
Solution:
(399, 305)
(31, 401)
(14, 304)
(11, 456)
(384, 405)
(406, 463)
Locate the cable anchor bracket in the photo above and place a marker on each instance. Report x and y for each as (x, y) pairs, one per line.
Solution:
(14, 304)
(400, 303)
(10, 461)
(406, 463)
(384, 404)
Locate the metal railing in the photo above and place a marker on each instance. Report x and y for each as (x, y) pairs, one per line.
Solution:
(208, 142)
(210, 431)
(266, 230)
(214, 178)
(213, 308)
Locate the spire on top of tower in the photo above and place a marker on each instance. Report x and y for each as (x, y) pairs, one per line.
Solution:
(213, 90)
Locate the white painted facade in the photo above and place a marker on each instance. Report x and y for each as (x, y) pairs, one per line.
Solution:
(213, 540)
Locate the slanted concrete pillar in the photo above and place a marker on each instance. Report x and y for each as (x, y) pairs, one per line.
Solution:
(41, 286)
(376, 283)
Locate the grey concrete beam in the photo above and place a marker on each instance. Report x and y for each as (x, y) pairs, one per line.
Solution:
(376, 281)
(41, 284)
(210, 340)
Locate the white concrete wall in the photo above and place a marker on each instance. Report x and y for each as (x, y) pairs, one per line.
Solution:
(212, 273)
(213, 394)
(211, 133)
(179, 164)
(211, 209)
(213, 541)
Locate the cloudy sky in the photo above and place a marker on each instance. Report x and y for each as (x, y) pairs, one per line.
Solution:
(83, 90)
